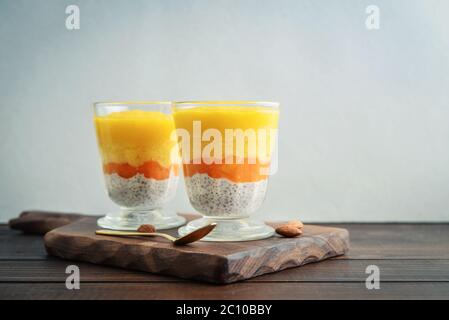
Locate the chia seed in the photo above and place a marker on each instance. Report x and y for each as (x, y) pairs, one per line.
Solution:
(224, 198)
(139, 191)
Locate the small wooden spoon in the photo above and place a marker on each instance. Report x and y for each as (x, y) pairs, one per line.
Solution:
(188, 238)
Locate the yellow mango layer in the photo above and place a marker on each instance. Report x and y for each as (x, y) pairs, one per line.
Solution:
(229, 117)
(135, 137)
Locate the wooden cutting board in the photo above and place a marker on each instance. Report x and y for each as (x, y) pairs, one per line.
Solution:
(222, 262)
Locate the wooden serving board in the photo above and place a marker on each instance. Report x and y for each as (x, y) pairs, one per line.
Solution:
(217, 262)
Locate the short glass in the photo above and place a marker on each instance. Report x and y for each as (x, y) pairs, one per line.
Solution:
(227, 149)
(140, 158)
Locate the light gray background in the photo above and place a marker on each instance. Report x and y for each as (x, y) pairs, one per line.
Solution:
(365, 114)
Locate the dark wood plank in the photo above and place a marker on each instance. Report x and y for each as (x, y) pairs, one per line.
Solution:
(247, 290)
(222, 262)
(368, 241)
(398, 241)
(340, 270)
(53, 270)
(15, 245)
(389, 246)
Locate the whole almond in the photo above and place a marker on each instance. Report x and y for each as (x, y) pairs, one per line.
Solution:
(288, 231)
(147, 228)
(296, 223)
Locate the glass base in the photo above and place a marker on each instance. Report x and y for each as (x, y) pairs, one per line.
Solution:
(133, 219)
(230, 229)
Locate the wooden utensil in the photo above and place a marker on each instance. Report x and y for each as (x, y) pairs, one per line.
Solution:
(188, 238)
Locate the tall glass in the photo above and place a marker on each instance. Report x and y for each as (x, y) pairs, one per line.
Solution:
(227, 151)
(140, 158)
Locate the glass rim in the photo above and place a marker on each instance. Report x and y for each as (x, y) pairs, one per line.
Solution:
(131, 103)
(226, 103)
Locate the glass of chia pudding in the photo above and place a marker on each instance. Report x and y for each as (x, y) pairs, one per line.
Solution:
(227, 149)
(140, 158)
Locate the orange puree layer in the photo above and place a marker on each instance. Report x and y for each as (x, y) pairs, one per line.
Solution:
(245, 172)
(150, 169)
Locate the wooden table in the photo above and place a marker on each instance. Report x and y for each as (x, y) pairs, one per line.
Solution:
(413, 260)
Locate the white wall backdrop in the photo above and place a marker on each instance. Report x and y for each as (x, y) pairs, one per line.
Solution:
(364, 120)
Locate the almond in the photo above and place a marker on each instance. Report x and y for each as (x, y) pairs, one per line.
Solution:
(147, 228)
(296, 223)
(288, 231)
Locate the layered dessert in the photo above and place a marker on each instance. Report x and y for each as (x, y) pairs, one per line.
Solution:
(140, 158)
(230, 181)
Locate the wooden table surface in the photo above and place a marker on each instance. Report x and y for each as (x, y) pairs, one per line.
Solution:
(413, 260)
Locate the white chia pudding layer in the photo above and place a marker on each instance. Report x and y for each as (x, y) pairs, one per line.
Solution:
(139, 191)
(224, 198)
